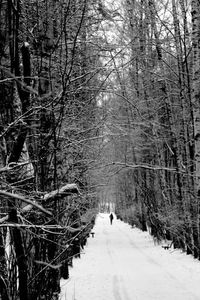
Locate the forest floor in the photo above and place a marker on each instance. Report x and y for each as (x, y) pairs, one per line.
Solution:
(123, 263)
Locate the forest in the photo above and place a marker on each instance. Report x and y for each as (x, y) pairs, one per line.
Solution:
(99, 105)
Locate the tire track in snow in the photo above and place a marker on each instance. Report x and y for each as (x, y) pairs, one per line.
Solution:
(118, 285)
(126, 297)
(116, 288)
(120, 264)
(154, 262)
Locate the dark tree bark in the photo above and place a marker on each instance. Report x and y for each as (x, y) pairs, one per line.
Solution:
(20, 256)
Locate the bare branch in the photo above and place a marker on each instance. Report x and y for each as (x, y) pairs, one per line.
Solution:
(44, 227)
(145, 166)
(19, 197)
(66, 190)
(48, 264)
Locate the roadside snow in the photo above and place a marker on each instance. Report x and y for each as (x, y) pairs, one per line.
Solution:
(122, 263)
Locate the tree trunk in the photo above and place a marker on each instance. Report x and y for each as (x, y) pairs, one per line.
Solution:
(20, 256)
(196, 104)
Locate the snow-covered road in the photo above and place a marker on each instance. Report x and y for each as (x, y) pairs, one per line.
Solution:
(122, 263)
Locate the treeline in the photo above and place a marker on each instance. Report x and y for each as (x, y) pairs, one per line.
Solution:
(49, 81)
(154, 112)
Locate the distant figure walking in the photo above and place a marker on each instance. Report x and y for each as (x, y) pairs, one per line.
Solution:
(111, 218)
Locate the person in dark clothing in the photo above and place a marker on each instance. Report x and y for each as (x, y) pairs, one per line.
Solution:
(111, 218)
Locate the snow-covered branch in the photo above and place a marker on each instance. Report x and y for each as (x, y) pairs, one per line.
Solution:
(12, 166)
(4, 219)
(144, 166)
(55, 267)
(44, 227)
(66, 190)
(21, 198)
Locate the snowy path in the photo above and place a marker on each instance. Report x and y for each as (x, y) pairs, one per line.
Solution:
(121, 263)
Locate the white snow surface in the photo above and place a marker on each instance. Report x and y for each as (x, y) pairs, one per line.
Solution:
(123, 263)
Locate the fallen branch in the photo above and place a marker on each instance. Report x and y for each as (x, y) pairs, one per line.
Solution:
(19, 197)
